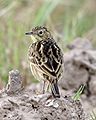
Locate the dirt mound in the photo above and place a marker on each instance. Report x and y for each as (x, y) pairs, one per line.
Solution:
(80, 68)
(20, 104)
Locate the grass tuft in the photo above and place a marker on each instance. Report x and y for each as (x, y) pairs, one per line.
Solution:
(78, 93)
(93, 115)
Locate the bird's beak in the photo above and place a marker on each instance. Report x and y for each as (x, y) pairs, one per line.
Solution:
(29, 33)
(32, 36)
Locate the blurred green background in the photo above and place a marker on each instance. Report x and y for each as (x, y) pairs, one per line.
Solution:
(66, 19)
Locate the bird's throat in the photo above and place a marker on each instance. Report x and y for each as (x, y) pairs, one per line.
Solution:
(33, 39)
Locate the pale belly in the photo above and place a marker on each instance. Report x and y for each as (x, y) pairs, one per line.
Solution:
(37, 73)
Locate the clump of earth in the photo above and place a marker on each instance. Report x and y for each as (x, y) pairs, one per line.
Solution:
(80, 69)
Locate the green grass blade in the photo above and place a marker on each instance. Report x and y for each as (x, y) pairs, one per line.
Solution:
(78, 93)
(44, 12)
(93, 115)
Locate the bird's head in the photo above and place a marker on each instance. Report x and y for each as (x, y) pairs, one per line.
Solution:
(39, 33)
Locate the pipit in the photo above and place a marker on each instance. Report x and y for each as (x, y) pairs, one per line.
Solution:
(45, 58)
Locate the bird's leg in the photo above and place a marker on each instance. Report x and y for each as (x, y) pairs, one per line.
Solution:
(48, 85)
(44, 87)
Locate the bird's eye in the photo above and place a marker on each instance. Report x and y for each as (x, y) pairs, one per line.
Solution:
(40, 32)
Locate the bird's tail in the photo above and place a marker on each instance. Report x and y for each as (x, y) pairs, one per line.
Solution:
(55, 89)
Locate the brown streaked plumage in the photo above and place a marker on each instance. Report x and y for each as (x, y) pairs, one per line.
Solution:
(45, 58)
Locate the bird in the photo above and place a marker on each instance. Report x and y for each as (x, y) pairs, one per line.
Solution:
(45, 58)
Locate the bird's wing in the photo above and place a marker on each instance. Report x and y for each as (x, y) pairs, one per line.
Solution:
(47, 55)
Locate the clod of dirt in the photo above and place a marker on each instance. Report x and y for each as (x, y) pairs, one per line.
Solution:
(80, 43)
(28, 106)
(74, 74)
(36, 107)
(14, 83)
(92, 85)
(79, 67)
